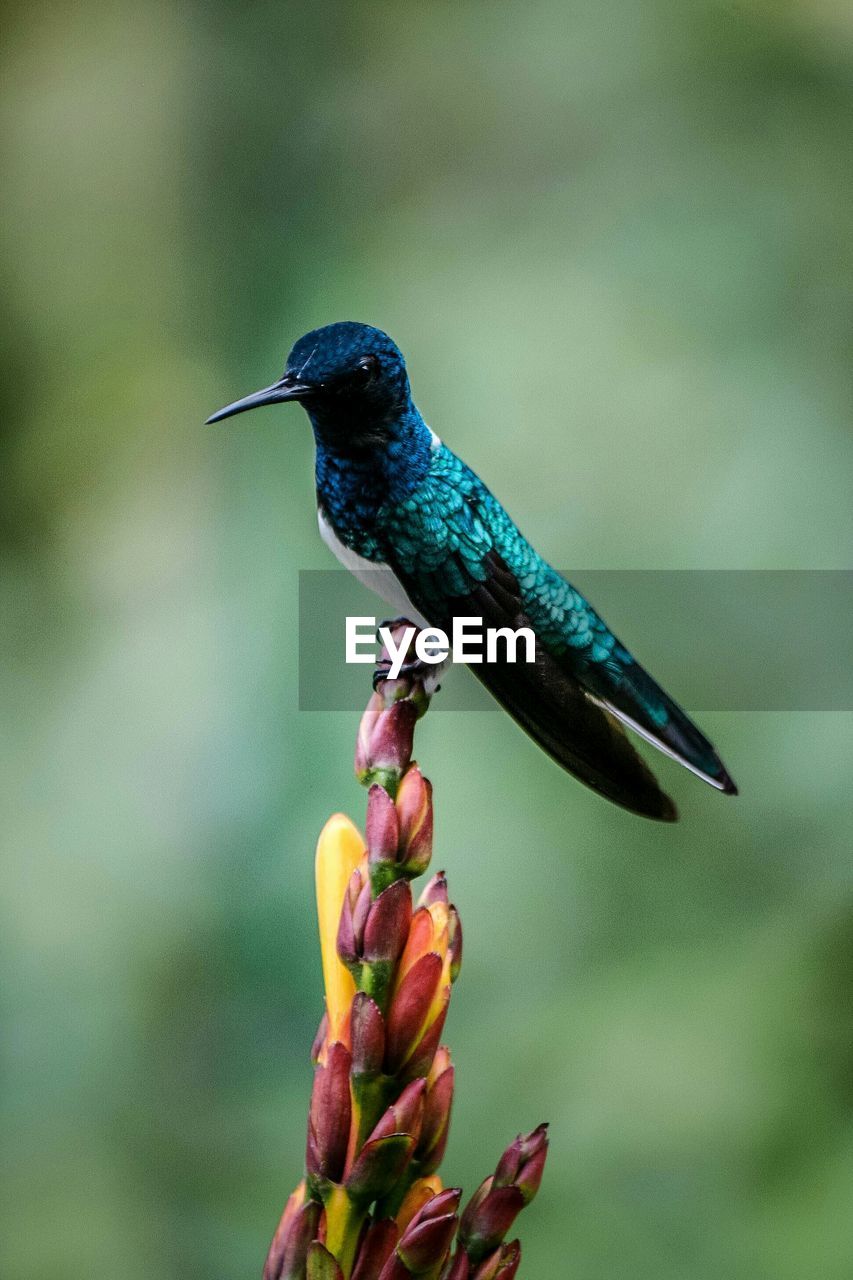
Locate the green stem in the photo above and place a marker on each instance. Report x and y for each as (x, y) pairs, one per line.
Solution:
(370, 1097)
(343, 1228)
(375, 980)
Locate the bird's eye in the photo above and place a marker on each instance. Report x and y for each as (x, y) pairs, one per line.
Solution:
(365, 370)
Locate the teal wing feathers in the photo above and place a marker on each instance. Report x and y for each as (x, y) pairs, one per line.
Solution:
(458, 553)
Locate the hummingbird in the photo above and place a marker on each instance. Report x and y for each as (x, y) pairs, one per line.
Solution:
(401, 510)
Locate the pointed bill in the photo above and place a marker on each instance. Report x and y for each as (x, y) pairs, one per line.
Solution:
(287, 388)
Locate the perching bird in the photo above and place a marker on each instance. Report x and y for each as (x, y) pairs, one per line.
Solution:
(391, 496)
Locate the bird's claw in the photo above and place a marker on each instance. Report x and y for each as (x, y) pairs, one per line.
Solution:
(380, 674)
(415, 670)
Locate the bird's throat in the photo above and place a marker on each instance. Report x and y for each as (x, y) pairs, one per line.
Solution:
(358, 474)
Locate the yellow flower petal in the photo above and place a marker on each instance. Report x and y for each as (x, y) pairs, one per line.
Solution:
(339, 851)
(441, 997)
(440, 917)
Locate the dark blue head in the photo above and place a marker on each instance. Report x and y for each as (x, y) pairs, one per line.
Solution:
(352, 381)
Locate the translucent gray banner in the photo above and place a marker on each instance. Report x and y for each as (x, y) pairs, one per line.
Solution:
(717, 640)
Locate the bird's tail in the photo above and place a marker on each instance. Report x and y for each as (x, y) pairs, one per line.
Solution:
(640, 703)
(577, 732)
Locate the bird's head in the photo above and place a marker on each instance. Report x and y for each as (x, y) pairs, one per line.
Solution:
(350, 378)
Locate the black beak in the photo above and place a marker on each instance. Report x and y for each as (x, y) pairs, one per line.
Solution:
(287, 388)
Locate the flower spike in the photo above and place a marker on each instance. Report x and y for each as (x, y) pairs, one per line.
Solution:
(371, 1206)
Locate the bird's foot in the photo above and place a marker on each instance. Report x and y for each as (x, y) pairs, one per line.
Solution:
(414, 670)
(411, 667)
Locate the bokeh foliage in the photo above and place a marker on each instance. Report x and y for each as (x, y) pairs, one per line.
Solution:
(615, 241)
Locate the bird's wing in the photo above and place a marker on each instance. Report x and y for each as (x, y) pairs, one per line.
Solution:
(443, 551)
(571, 632)
(582, 645)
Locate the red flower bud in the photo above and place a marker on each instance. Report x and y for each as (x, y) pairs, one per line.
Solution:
(382, 826)
(367, 1034)
(388, 974)
(414, 811)
(424, 1243)
(354, 909)
(375, 1249)
(395, 1269)
(436, 1122)
(329, 1117)
(387, 926)
(457, 1267)
(393, 735)
(406, 1114)
(435, 890)
(407, 1019)
(373, 931)
(488, 1216)
(522, 1163)
(446, 1201)
(379, 1166)
(369, 720)
(424, 1247)
(298, 1227)
(384, 745)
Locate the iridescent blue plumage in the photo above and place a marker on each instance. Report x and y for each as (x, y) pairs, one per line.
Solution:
(391, 494)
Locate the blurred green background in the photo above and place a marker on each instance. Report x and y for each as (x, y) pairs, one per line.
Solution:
(616, 243)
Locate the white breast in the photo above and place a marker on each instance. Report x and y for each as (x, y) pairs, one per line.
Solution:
(378, 577)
